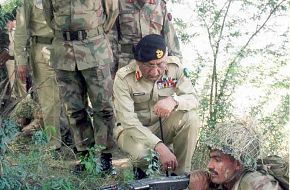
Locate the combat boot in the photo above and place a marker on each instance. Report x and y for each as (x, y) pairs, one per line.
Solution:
(106, 164)
(139, 173)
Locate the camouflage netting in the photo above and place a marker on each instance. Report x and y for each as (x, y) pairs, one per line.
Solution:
(238, 140)
(26, 108)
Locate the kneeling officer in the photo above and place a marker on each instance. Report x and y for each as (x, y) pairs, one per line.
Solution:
(155, 90)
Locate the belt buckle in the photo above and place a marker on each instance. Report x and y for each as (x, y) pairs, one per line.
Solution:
(76, 35)
(82, 35)
(66, 35)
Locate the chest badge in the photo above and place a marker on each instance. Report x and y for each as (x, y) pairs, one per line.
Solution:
(166, 82)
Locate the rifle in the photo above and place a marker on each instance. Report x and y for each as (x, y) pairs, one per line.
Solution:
(157, 183)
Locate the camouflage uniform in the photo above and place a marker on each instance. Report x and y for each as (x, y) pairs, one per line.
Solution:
(31, 26)
(256, 180)
(138, 19)
(82, 56)
(138, 127)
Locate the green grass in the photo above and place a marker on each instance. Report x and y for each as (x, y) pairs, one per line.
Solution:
(29, 164)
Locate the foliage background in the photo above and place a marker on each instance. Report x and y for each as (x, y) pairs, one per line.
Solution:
(6, 11)
(238, 52)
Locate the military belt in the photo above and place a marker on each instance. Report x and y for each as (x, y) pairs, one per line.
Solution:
(79, 35)
(127, 48)
(42, 40)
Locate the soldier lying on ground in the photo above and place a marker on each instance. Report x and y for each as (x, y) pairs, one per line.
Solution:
(234, 150)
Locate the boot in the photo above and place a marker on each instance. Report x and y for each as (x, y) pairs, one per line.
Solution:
(139, 173)
(106, 163)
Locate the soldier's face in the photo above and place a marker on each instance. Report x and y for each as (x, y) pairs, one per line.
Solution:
(224, 169)
(10, 25)
(154, 69)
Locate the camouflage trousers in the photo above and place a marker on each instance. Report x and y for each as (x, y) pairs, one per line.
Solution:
(44, 81)
(120, 59)
(124, 59)
(114, 46)
(97, 84)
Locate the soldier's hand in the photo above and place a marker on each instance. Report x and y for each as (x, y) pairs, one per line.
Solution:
(164, 107)
(22, 72)
(199, 180)
(4, 56)
(167, 158)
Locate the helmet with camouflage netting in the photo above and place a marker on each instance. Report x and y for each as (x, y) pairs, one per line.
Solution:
(237, 139)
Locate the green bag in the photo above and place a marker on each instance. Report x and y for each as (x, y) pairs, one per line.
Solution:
(277, 167)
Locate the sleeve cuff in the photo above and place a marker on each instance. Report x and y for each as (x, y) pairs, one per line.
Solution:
(153, 141)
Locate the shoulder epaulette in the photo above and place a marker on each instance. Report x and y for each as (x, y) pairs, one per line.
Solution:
(124, 71)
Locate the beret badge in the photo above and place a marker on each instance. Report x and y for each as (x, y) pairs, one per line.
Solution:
(159, 53)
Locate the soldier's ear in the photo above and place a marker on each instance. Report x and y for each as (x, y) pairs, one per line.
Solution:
(238, 166)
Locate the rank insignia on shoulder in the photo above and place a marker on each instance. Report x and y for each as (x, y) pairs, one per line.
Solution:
(138, 75)
(166, 82)
(186, 72)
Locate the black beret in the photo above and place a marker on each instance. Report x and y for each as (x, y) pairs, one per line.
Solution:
(149, 48)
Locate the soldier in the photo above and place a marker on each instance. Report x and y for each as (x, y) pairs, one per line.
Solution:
(31, 26)
(82, 57)
(234, 149)
(154, 86)
(138, 18)
(18, 87)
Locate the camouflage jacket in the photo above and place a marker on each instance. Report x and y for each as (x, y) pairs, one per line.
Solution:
(30, 23)
(137, 19)
(95, 18)
(253, 181)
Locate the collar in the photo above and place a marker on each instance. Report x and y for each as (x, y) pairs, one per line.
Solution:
(138, 73)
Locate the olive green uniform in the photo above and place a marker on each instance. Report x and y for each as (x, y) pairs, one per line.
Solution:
(31, 25)
(138, 129)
